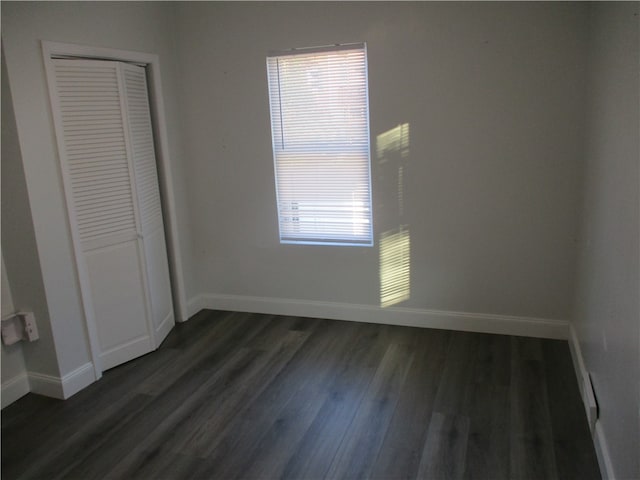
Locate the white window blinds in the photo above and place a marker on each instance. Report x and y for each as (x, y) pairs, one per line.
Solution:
(320, 130)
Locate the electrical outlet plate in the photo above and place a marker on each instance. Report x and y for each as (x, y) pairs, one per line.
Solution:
(30, 327)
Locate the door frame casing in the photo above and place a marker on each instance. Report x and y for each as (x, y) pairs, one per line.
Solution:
(165, 178)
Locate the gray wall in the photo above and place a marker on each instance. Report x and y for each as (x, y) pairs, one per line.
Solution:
(12, 359)
(19, 249)
(493, 94)
(607, 316)
(144, 26)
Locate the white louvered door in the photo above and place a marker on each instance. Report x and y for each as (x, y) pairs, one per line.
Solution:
(105, 140)
(148, 195)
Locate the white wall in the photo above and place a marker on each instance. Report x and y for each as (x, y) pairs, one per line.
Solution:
(607, 313)
(12, 358)
(143, 26)
(7, 307)
(19, 249)
(7, 298)
(493, 94)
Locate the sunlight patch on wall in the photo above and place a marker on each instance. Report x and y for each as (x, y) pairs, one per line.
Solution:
(393, 142)
(395, 262)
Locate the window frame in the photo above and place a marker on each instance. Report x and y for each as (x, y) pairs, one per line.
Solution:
(362, 213)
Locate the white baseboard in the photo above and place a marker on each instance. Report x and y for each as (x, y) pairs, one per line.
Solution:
(602, 452)
(194, 305)
(165, 327)
(46, 385)
(64, 387)
(584, 382)
(78, 379)
(471, 322)
(14, 388)
(582, 375)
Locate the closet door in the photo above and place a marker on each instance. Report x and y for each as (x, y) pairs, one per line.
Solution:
(108, 213)
(148, 198)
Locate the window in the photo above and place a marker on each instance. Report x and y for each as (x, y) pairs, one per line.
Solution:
(320, 132)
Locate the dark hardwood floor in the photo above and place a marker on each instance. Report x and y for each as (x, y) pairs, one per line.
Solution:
(236, 395)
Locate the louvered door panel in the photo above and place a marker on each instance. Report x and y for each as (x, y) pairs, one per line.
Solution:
(142, 147)
(148, 195)
(95, 145)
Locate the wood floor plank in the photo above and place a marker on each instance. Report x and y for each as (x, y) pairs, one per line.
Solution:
(159, 463)
(313, 455)
(458, 373)
(487, 454)
(208, 367)
(218, 409)
(444, 453)
(226, 455)
(177, 412)
(487, 406)
(493, 360)
(74, 421)
(271, 455)
(532, 454)
(192, 418)
(401, 450)
(84, 446)
(188, 333)
(207, 348)
(240, 395)
(164, 412)
(361, 444)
